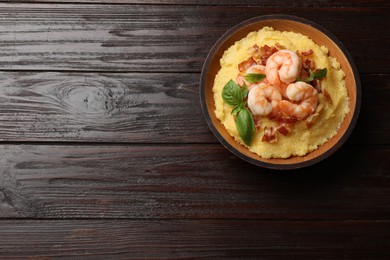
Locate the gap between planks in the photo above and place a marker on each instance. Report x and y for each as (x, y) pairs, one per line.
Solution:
(240, 3)
(292, 220)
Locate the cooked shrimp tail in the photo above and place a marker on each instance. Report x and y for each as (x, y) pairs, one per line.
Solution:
(263, 100)
(282, 68)
(303, 102)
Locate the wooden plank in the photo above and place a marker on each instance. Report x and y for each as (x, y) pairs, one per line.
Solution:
(161, 38)
(136, 108)
(188, 181)
(265, 3)
(372, 120)
(184, 239)
(94, 107)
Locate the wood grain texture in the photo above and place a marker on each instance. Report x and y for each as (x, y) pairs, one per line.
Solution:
(184, 239)
(89, 107)
(266, 3)
(136, 108)
(139, 174)
(161, 38)
(184, 181)
(373, 118)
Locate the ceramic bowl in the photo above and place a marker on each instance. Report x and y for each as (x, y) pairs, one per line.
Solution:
(282, 23)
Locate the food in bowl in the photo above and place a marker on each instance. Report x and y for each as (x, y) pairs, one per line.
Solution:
(279, 93)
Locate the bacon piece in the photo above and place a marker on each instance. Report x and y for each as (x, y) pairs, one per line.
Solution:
(246, 64)
(288, 119)
(266, 52)
(264, 60)
(254, 51)
(303, 74)
(307, 53)
(308, 64)
(269, 135)
(316, 84)
(284, 129)
(257, 122)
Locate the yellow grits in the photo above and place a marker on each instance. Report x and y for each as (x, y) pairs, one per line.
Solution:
(300, 140)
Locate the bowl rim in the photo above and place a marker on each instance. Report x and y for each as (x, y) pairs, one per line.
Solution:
(270, 165)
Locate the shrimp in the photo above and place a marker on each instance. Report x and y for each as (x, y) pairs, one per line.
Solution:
(282, 68)
(255, 69)
(263, 100)
(303, 93)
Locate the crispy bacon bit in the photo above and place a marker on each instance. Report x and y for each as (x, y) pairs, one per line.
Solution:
(316, 84)
(266, 52)
(254, 51)
(303, 74)
(284, 129)
(327, 97)
(288, 119)
(264, 60)
(246, 64)
(261, 55)
(269, 135)
(307, 53)
(257, 122)
(308, 64)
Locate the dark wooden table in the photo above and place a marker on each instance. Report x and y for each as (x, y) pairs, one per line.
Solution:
(105, 153)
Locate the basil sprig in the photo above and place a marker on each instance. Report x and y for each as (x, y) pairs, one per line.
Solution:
(245, 125)
(237, 108)
(320, 74)
(233, 95)
(254, 77)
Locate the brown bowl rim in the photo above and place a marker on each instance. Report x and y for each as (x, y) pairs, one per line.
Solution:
(269, 165)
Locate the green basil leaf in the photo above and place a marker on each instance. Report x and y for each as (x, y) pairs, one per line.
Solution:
(318, 75)
(310, 78)
(237, 108)
(254, 77)
(245, 125)
(232, 94)
(244, 91)
(321, 73)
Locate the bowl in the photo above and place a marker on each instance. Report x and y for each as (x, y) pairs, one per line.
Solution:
(282, 23)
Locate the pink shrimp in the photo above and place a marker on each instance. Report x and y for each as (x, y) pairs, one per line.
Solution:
(303, 98)
(263, 100)
(282, 68)
(255, 69)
